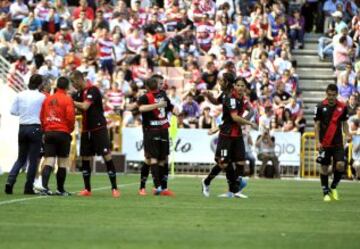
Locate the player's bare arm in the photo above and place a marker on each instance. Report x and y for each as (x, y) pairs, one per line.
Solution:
(317, 135)
(82, 105)
(242, 121)
(151, 107)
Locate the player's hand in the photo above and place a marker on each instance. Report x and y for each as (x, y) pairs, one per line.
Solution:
(213, 131)
(162, 104)
(318, 146)
(254, 126)
(205, 92)
(176, 111)
(348, 138)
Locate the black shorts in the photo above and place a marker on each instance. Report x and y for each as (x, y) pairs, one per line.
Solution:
(57, 144)
(95, 143)
(230, 149)
(336, 153)
(156, 144)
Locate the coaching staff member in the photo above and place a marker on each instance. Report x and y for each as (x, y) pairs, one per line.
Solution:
(27, 106)
(94, 135)
(330, 122)
(57, 120)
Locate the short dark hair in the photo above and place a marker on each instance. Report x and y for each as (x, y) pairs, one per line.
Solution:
(35, 81)
(332, 87)
(342, 39)
(229, 80)
(242, 79)
(151, 83)
(62, 83)
(157, 76)
(76, 75)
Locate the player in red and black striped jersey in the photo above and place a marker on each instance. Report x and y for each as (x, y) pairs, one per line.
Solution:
(330, 122)
(230, 148)
(94, 135)
(154, 106)
(145, 168)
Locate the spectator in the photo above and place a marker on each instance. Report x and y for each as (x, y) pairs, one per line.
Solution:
(48, 70)
(51, 24)
(210, 75)
(174, 98)
(107, 54)
(17, 49)
(352, 105)
(283, 63)
(329, 9)
(18, 11)
(343, 53)
(134, 41)
(249, 156)
(5, 6)
(345, 89)
(265, 119)
(296, 29)
(63, 12)
(83, 6)
(86, 22)
(280, 97)
(33, 22)
(266, 152)
(181, 121)
(25, 35)
(354, 130)
(206, 121)
(100, 21)
(42, 10)
(6, 36)
(78, 37)
(347, 75)
(62, 47)
(43, 46)
(192, 109)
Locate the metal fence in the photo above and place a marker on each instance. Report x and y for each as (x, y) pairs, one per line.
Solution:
(10, 76)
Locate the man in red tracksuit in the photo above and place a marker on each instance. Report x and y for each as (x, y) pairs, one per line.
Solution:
(57, 120)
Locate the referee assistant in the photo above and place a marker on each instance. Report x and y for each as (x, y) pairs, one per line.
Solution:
(94, 135)
(57, 120)
(27, 106)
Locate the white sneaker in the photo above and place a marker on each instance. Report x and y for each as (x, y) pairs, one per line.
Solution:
(240, 195)
(205, 188)
(227, 195)
(38, 185)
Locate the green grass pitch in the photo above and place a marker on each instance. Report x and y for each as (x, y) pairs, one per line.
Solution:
(279, 214)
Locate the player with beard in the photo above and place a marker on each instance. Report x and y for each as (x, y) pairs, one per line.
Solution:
(154, 106)
(230, 148)
(145, 168)
(330, 122)
(94, 135)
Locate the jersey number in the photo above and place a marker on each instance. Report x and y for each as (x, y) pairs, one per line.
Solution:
(162, 111)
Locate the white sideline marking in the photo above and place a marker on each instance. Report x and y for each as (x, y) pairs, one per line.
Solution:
(45, 196)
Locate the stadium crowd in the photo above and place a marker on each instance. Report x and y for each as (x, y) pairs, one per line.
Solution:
(119, 44)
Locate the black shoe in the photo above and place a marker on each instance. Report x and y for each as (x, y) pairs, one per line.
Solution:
(46, 192)
(62, 193)
(29, 192)
(8, 189)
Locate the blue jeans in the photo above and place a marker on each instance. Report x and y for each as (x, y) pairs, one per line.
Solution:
(325, 47)
(296, 34)
(29, 139)
(250, 157)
